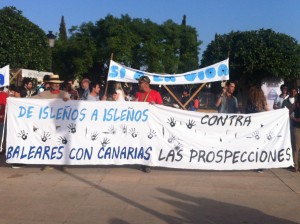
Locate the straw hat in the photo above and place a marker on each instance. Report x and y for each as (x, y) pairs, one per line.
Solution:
(54, 79)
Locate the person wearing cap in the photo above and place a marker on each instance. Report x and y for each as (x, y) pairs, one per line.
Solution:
(85, 84)
(146, 94)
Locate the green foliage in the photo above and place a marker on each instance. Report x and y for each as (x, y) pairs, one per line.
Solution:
(73, 58)
(22, 43)
(62, 30)
(189, 46)
(137, 43)
(255, 55)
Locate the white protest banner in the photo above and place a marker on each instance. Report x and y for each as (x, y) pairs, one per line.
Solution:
(4, 76)
(213, 73)
(88, 132)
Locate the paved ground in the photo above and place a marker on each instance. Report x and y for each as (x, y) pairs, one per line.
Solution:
(123, 195)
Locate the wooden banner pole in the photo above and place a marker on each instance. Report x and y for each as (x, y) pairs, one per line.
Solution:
(175, 97)
(106, 87)
(195, 93)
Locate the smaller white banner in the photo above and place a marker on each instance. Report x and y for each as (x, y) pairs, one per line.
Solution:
(4, 76)
(213, 73)
(35, 74)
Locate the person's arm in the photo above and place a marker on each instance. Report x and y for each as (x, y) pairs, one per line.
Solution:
(292, 108)
(219, 100)
(159, 99)
(275, 105)
(266, 107)
(236, 106)
(66, 96)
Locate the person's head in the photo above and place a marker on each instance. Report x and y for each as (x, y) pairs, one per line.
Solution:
(94, 88)
(283, 88)
(46, 78)
(54, 82)
(46, 82)
(230, 87)
(185, 93)
(47, 86)
(70, 84)
(144, 83)
(257, 97)
(28, 84)
(17, 92)
(114, 96)
(293, 92)
(118, 85)
(85, 83)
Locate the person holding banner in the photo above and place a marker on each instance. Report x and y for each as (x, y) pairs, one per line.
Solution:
(288, 102)
(3, 97)
(146, 94)
(85, 84)
(227, 103)
(119, 90)
(295, 117)
(256, 103)
(94, 92)
(53, 93)
(279, 99)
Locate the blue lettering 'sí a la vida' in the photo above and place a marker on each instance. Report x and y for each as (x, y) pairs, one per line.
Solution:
(25, 112)
(116, 72)
(157, 78)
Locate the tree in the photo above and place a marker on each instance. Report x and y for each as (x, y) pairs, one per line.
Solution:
(74, 58)
(137, 43)
(22, 43)
(189, 48)
(255, 55)
(62, 30)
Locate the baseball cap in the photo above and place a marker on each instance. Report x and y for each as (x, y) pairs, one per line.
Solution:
(144, 79)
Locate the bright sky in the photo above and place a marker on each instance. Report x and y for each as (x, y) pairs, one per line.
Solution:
(207, 16)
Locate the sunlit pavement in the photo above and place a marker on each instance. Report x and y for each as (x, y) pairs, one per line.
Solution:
(124, 194)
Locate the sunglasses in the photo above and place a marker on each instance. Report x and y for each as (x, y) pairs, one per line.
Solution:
(141, 82)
